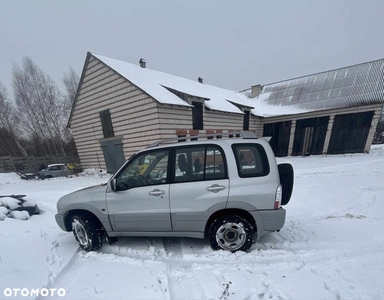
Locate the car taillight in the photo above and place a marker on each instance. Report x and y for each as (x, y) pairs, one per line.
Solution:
(279, 192)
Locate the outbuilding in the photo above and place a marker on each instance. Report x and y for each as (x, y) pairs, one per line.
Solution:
(341, 110)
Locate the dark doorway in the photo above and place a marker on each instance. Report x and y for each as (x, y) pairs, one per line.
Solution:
(280, 133)
(350, 132)
(197, 115)
(113, 154)
(310, 136)
(246, 120)
(106, 123)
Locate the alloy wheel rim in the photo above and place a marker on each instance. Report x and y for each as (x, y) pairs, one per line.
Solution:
(231, 236)
(80, 233)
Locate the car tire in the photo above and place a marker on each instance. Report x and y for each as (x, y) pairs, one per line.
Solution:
(232, 233)
(88, 232)
(286, 174)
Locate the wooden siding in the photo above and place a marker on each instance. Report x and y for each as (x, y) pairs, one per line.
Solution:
(133, 114)
(221, 120)
(172, 118)
(256, 125)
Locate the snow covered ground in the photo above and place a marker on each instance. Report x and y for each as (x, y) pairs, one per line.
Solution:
(331, 247)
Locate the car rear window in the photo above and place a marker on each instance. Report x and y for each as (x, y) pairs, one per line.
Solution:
(251, 160)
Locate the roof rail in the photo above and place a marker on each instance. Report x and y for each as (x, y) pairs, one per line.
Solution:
(243, 134)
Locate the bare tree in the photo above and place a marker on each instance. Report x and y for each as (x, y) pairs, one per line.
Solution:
(9, 144)
(71, 82)
(41, 107)
(7, 115)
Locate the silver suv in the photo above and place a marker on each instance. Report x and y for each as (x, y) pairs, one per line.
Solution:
(229, 191)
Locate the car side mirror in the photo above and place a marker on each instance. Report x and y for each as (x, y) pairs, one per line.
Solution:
(112, 184)
(154, 175)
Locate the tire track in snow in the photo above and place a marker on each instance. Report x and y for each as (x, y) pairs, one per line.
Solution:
(175, 277)
(98, 275)
(173, 246)
(59, 266)
(181, 279)
(185, 269)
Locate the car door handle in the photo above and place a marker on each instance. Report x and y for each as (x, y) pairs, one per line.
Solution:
(215, 188)
(156, 193)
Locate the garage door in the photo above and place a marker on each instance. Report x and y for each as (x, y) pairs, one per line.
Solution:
(350, 132)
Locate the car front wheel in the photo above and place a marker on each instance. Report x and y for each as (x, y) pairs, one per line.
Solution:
(231, 233)
(87, 232)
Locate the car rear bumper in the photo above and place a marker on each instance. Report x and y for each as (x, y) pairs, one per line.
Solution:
(273, 219)
(269, 220)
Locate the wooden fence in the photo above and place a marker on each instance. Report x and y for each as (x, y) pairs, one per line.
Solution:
(32, 163)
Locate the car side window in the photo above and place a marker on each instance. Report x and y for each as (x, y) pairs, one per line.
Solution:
(146, 169)
(215, 168)
(251, 160)
(199, 163)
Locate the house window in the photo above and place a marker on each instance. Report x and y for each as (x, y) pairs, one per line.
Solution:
(197, 115)
(106, 123)
(246, 120)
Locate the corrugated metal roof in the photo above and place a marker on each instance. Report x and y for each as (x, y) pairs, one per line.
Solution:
(349, 86)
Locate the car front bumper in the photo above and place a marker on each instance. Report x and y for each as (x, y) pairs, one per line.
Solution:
(60, 221)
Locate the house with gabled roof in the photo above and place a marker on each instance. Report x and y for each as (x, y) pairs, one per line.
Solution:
(121, 108)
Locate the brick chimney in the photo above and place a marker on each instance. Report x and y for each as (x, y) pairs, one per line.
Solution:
(255, 90)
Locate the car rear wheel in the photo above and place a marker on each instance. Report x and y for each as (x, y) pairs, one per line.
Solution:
(87, 231)
(231, 233)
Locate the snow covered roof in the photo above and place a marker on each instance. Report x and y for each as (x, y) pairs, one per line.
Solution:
(157, 85)
(264, 109)
(345, 87)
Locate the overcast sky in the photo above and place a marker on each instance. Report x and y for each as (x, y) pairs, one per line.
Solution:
(230, 44)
